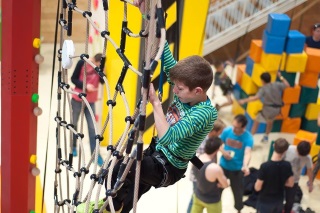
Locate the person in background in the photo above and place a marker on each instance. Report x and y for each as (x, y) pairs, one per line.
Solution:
(91, 89)
(210, 180)
(218, 127)
(299, 158)
(317, 164)
(222, 80)
(236, 154)
(271, 96)
(273, 176)
(313, 41)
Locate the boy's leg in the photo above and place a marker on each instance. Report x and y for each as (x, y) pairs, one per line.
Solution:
(290, 193)
(236, 183)
(91, 130)
(254, 126)
(151, 175)
(269, 126)
(76, 109)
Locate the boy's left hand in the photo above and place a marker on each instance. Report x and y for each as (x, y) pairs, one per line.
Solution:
(153, 98)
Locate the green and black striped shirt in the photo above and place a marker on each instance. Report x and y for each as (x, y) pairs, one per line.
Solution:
(189, 124)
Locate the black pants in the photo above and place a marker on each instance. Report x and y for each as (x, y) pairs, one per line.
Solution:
(237, 186)
(152, 174)
(290, 193)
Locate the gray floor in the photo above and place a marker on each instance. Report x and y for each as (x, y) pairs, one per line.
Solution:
(171, 199)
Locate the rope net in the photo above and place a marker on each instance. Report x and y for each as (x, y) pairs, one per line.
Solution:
(67, 196)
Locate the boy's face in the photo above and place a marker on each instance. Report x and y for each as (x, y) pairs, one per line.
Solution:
(237, 128)
(183, 93)
(220, 68)
(316, 33)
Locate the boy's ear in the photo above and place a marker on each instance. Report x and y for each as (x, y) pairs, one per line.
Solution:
(198, 90)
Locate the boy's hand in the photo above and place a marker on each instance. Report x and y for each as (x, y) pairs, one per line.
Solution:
(153, 98)
(241, 102)
(140, 4)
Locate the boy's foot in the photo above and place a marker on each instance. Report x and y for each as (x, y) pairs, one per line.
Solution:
(100, 160)
(264, 139)
(74, 152)
(82, 207)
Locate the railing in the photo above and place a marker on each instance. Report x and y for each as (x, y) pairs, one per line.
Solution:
(230, 19)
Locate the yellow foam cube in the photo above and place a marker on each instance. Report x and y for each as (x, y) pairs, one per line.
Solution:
(314, 150)
(257, 70)
(271, 62)
(312, 111)
(253, 108)
(295, 62)
(283, 61)
(237, 108)
(247, 84)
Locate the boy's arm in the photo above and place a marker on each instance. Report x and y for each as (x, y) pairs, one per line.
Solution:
(161, 123)
(222, 179)
(290, 182)
(168, 60)
(310, 182)
(258, 185)
(76, 75)
(249, 99)
(246, 159)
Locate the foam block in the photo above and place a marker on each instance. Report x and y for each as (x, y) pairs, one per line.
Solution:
(295, 62)
(253, 108)
(284, 113)
(314, 150)
(313, 64)
(291, 95)
(276, 127)
(249, 66)
(295, 42)
(272, 44)
(271, 62)
(297, 110)
(278, 24)
(303, 135)
(290, 77)
(237, 108)
(238, 93)
(256, 73)
(291, 125)
(255, 50)
(318, 137)
(247, 85)
(309, 79)
(309, 95)
(261, 127)
(312, 111)
(240, 70)
(309, 125)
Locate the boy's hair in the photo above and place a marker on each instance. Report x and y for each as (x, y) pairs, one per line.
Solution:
(218, 125)
(315, 26)
(241, 119)
(266, 77)
(193, 71)
(281, 145)
(212, 145)
(97, 57)
(303, 148)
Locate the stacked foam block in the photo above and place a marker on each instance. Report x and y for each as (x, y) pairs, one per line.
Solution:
(281, 49)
